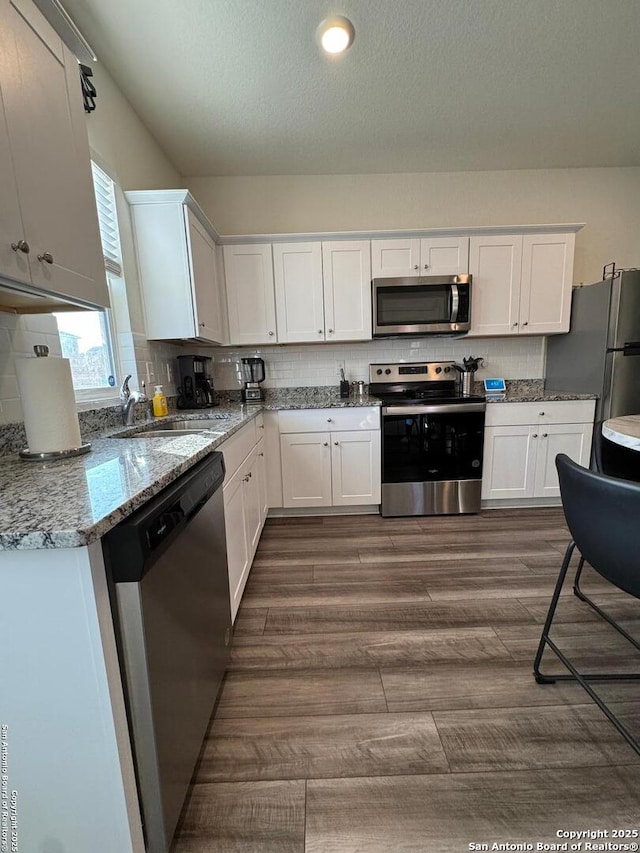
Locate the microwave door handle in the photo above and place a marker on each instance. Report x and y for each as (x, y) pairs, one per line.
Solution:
(454, 297)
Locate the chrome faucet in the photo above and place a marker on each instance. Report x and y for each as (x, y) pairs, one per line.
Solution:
(129, 398)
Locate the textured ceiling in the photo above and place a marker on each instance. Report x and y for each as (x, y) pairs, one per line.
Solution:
(238, 87)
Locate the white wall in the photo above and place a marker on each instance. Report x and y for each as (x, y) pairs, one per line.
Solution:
(606, 199)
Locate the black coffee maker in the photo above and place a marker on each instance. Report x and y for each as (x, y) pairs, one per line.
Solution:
(195, 389)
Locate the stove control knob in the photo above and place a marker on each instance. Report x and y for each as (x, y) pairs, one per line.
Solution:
(447, 369)
(387, 371)
(438, 370)
(378, 372)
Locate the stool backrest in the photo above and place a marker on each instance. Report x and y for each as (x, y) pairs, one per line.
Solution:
(603, 516)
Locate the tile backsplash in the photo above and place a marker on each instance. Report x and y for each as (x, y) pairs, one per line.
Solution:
(319, 364)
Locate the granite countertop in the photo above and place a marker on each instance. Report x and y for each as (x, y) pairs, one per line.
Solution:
(73, 502)
(531, 391)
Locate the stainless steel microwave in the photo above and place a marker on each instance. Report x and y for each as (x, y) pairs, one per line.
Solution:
(424, 305)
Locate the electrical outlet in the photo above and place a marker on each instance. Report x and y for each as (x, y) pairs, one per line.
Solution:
(150, 372)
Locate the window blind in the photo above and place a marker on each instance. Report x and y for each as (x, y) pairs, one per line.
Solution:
(108, 220)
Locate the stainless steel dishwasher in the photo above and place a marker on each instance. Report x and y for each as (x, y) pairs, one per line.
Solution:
(167, 567)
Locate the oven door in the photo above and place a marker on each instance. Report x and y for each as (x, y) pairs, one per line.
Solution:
(425, 305)
(432, 459)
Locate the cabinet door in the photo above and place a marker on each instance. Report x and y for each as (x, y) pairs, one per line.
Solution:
(547, 275)
(14, 263)
(252, 498)
(444, 255)
(238, 558)
(346, 269)
(355, 468)
(50, 152)
(495, 264)
(509, 461)
(299, 304)
(250, 297)
(572, 439)
(395, 258)
(204, 281)
(306, 469)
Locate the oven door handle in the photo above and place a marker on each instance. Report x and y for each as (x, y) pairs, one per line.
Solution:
(454, 303)
(435, 409)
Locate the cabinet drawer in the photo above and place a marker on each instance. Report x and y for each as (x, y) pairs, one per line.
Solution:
(321, 420)
(555, 412)
(237, 448)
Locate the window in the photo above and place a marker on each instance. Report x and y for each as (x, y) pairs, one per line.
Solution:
(86, 336)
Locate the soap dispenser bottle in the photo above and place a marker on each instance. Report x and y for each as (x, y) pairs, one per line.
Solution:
(160, 408)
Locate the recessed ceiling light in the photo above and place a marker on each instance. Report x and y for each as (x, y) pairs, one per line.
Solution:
(336, 34)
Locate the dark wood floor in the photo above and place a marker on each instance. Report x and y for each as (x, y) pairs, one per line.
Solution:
(380, 696)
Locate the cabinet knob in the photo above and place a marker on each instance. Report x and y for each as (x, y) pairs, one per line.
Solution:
(329, 420)
(526, 323)
(426, 266)
(416, 267)
(325, 444)
(21, 246)
(260, 454)
(319, 331)
(535, 435)
(260, 426)
(47, 257)
(545, 434)
(271, 334)
(540, 414)
(515, 324)
(336, 443)
(330, 331)
(201, 325)
(245, 479)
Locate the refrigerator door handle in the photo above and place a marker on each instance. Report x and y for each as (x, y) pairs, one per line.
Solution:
(630, 348)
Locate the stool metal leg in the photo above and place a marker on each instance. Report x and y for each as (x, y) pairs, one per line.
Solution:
(540, 678)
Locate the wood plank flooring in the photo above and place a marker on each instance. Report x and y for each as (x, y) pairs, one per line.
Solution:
(380, 695)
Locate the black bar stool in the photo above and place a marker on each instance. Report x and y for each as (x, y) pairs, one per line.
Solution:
(603, 517)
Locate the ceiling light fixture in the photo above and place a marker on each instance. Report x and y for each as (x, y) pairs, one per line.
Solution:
(336, 34)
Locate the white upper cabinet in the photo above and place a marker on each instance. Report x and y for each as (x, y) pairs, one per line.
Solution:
(547, 276)
(299, 300)
(45, 145)
(401, 258)
(176, 252)
(495, 264)
(250, 295)
(521, 284)
(346, 269)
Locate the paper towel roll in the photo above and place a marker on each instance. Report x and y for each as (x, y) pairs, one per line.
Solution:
(48, 404)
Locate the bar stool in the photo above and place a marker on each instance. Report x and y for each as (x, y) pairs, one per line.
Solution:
(603, 517)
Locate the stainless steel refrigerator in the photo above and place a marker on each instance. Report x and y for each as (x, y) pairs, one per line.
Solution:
(601, 353)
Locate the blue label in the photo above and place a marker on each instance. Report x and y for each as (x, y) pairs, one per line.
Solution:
(494, 385)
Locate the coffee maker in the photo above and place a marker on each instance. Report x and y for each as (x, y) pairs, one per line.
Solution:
(252, 374)
(195, 389)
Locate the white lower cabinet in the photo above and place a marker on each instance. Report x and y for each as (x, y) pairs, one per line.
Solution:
(330, 457)
(245, 505)
(522, 441)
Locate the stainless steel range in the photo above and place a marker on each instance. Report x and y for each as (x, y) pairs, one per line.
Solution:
(432, 438)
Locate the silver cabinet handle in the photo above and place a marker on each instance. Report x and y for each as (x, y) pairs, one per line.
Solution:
(21, 246)
(526, 323)
(47, 257)
(325, 444)
(336, 443)
(535, 435)
(271, 334)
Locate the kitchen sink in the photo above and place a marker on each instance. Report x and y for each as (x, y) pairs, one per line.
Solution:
(184, 427)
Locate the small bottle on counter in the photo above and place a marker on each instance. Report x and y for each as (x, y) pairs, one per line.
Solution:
(160, 408)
